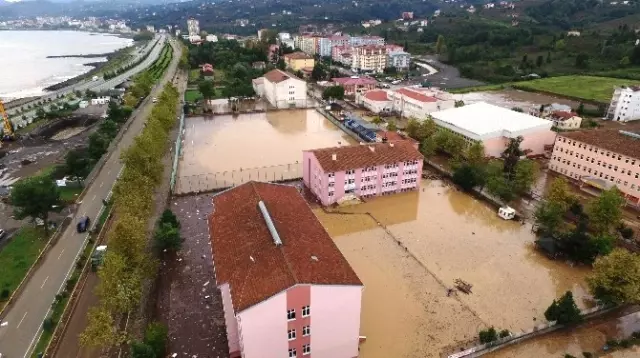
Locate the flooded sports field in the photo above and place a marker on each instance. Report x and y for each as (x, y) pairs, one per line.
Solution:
(225, 149)
(510, 98)
(409, 248)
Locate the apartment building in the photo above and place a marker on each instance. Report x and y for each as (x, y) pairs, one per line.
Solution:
(193, 27)
(369, 58)
(338, 174)
(283, 90)
(366, 40)
(310, 44)
(495, 126)
(625, 104)
(327, 43)
(600, 159)
(342, 54)
(399, 59)
(297, 61)
(287, 291)
(354, 84)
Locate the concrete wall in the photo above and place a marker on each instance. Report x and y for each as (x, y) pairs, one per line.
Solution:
(230, 319)
(335, 311)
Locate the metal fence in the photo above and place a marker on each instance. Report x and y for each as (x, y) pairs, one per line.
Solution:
(221, 180)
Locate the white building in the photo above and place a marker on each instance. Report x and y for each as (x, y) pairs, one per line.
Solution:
(625, 104)
(258, 86)
(284, 90)
(376, 101)
(366, 40)
(369, 58)
(408, 101)
(495, 126)
(150, 28)
(100, 100)
(327, 43)
(399, 59)
(193, 26)
(212, 38)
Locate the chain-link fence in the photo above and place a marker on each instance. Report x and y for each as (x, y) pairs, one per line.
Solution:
(221, 180)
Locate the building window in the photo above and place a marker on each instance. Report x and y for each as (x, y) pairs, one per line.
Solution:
(331, 175)
(291, 334)
(350, 171)
(306, 311)
(306, 330)
(291, 314)
(306, 349)
(292, 353)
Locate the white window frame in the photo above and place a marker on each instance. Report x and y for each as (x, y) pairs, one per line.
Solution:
(291, 334)
(292, 353)
(306, 309)
(291, 312)
(306, 331)
(306, 349)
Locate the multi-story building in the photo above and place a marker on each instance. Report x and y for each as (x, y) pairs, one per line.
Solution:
(262, 33)
(495, 126)
(625, 104)
(193, 27)
(327, 43)
(369, 58)
(310, 44)
(342, 54)
(600, 159)
(409, 102)
(366, 40)
(287, 290)
(565, 120)
(399, 59)
(348, 172)
(297, 61)
(353, 85)
(284, 90)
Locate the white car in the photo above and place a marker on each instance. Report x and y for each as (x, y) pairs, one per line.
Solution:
(154, 100)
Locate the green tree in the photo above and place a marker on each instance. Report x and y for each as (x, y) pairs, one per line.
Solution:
(449, 143)
(428, 147)
(168, 237)
(35, 197)
(142, 350)
(468, 176)
(496, 182)
(539, 60)
(98, 144)
(488, 335)
(582, 60)
(511, 157)
(318, 73)
(168, 217)
(207, 89)
(440, 44)
(549, 217)
(333, 92)
(564, 311)
(625, 61)
(391, 126)
(78, 164)
(40, 113)
(560, 45)
(475, 153)
(155, 337)
(616, 278)
(525, 176)
(377, 121)
(559, 193)
(280, 64)
(459, 104)
(101, 329)
(605, 211)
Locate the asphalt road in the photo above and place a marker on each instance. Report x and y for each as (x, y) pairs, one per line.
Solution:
(24, 319)
(99, 85)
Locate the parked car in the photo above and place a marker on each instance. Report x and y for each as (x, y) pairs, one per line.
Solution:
(83, 224)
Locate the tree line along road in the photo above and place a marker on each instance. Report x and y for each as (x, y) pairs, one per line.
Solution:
(25, 317)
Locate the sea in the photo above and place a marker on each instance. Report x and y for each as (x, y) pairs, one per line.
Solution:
(26, 71)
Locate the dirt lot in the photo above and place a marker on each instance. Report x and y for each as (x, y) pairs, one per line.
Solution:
(189, 301)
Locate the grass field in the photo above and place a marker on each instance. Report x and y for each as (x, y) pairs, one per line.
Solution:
(17, 256)
(70, 193)
(192, 95)
(589, 88)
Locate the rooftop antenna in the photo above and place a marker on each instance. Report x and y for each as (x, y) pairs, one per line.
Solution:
(267, 219)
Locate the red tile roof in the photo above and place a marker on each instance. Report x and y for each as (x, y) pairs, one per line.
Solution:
(277, 76)
(415, 95)
(564, 115)
(608, 139)
(298, 56)
(246, 257)
(347, 81)
(361, 156)
(377, 95)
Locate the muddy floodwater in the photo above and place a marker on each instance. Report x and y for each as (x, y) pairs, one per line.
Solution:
(409, 248)
(590, 337)
(510, 98)
(260, 146)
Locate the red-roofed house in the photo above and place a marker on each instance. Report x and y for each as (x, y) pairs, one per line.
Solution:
(286, 289)
(355, 84)
(337, 174)
(376, 101)
(565, 120)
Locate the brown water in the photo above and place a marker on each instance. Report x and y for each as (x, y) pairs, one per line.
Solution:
(588, 338)
(513, 98)
(260, 146)
(433, 237)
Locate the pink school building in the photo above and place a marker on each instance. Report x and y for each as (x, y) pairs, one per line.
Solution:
(286, 289)
(336, 174)
(600, 159)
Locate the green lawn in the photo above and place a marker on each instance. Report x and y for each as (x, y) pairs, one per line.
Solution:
(194, 75)
(192, 95)
(17, 256)
(590, 88)
(70, 193)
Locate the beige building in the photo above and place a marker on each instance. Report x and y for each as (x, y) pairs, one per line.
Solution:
(565, 120)
(298, 61)
(369, 58)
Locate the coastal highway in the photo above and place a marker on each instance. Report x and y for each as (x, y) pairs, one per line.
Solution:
(21, 325)
(100, 84)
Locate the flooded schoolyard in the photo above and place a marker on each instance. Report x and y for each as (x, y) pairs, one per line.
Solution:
(229, 150)
(409, 248)
(510, 98)
(590, 337)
